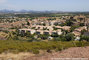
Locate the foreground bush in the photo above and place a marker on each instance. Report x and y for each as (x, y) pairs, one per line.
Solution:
(16, 46)
(35, 51)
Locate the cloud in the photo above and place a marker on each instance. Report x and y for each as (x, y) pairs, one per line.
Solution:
(3, 1)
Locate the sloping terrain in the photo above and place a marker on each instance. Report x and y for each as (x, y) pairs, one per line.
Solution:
(76, 52)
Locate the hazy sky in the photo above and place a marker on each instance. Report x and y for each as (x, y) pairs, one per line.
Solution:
(40, 5)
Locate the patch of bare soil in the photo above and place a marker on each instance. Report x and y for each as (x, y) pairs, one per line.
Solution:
(75, 52)
(11, 56)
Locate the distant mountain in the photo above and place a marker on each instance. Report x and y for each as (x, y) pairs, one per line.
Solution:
(26, 11)
(5, 11)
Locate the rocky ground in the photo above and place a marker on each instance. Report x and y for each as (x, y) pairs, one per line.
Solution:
(75, 52)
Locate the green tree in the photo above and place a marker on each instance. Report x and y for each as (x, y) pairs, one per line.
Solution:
(69, 37)
(83, 31)
(82, 24)
(28, 23)
(69, 23)
(44, 36)
(73, 28)
(82, 37)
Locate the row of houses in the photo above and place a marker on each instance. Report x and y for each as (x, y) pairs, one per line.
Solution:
(44, 29)
(32, 31)
(46, 22)
(38, 27)
(77, 31)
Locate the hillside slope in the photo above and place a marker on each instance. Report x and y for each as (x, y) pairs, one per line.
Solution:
(75, 52)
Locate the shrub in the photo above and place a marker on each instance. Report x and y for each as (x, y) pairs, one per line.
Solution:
(59, 49)
(84, 38)
(49, 51)
(35, 51)
(80, 44)
(69, 37)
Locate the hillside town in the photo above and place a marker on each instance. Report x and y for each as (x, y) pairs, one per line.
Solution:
(77, 25)
(44, 29)
(39, 35)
